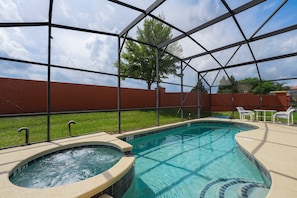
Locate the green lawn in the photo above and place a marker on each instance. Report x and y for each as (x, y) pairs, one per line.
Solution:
(86, 123)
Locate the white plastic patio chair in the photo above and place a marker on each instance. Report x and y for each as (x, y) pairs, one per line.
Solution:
(242, 113)
(288, 115)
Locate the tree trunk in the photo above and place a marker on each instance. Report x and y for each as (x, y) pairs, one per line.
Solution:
(149, 86)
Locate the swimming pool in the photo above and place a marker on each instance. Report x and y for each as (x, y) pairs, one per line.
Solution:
(195, 160)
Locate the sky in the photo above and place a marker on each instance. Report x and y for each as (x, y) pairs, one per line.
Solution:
(98, 53)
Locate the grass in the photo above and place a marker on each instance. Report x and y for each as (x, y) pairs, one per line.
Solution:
(86, 123)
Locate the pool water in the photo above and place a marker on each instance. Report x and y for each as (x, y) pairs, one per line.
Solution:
(197, 160)
(66, 166)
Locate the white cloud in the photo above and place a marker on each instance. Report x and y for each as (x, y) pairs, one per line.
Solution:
(23, 10)
(9, 11)
(289, 44)
(204, 11)
(188, 15)
(102, 52)
(83, 51)
(63, 8)
(99, 52)
(10, 46)
(277, 45)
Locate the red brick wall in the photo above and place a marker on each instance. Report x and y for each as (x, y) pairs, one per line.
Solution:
(26, 96)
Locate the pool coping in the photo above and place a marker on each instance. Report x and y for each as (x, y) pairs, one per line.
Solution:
(14, 157)
(273, 145)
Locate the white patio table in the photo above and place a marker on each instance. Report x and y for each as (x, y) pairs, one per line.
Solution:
(263, 114)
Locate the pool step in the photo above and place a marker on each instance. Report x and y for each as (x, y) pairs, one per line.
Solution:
(234, 187)
(252, 190)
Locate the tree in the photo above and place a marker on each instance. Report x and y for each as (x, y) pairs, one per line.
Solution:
(247, 85)
(269, 86)
(140, 59)
(227, 85)
(250, 85)
(201, 86)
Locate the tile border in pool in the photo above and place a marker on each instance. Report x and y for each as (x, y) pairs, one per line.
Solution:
(120, 174)
(144, 132)
(258, 164)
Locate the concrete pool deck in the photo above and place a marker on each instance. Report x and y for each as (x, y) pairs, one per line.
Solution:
(273, 145)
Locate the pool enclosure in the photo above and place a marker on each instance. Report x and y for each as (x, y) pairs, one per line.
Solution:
(56, 54)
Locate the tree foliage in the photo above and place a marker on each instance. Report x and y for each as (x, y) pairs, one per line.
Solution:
(270, 86)
(199, 85)
(227, 86)
(250, 85)
(139, 60)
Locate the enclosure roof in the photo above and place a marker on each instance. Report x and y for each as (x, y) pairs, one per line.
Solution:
(219, 38)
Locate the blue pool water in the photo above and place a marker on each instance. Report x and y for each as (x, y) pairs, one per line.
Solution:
(197, 160)
(66, 166)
